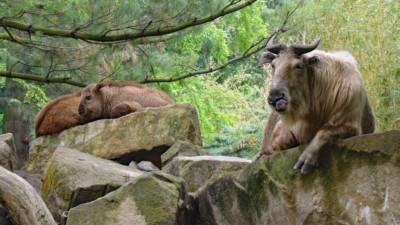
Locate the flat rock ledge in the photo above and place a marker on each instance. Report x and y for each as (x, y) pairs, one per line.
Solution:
(139, 136)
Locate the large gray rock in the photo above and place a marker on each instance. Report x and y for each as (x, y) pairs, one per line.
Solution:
(147, 166)
(143, 135)
(200, 170)
(73, 177)
(8, 138)
(5, 156)
(151, 199)
(357, 182)
(8, 158)
(182, 148)
(33, 179)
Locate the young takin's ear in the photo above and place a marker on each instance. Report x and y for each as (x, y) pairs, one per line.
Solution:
(267, 57)
(314, 60)
(98, 87)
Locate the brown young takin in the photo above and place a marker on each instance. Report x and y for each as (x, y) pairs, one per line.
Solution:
(317, 97)
(115, 99)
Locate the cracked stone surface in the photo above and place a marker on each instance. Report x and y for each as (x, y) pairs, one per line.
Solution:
(357, 182)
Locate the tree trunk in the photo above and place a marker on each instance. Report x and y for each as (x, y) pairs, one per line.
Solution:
(16, 120)
(23, 203)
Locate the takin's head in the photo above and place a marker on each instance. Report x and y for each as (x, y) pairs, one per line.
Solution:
(91, 104)
(290, 73)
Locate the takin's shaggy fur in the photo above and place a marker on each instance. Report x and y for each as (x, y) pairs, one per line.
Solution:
(317, 97)
(115, 99)
(59, 114)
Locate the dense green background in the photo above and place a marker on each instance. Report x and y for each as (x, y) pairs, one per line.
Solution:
(230, 102)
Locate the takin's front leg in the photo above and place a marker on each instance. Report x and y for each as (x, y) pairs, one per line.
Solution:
(279, 139)
(124, 108)
(326, 135)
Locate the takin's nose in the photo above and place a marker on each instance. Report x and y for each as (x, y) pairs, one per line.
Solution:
(277, 100)
(81, 110)
(274, 96)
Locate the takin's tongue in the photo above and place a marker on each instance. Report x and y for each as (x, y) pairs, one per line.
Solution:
(280, 105)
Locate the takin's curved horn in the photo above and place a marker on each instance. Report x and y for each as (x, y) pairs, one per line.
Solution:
(302, 49)
(274, 48)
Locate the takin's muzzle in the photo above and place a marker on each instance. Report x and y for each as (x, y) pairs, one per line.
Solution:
(81, 110)
(277, 100)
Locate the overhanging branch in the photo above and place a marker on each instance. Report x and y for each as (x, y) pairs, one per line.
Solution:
(76, 34)
(250, 51)
(66, 80)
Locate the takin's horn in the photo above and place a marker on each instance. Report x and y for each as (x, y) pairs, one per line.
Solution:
(274, 48)
(99, 86)
(302, 49)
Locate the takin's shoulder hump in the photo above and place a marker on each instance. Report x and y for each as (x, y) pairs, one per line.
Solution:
(345, 56)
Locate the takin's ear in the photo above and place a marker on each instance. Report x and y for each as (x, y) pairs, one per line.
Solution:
(98, 87)
(267, 57)
(313, 61)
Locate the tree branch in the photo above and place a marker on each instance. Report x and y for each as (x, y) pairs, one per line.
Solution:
(75, 34)
(24, 203)
(39, 78)
(254, 48)
(8, 37)
(250, 51)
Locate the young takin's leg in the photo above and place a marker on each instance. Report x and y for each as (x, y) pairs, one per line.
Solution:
(124, 108)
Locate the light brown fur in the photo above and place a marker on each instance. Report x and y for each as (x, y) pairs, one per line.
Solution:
(59, 114)
(115, 99)
(325, 99)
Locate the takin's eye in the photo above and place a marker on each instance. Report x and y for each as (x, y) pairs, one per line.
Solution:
(273, 66)
(299, 66)
(88, 97)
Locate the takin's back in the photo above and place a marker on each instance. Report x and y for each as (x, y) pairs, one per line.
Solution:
(338, 92)
(132, 91)
(368, 119)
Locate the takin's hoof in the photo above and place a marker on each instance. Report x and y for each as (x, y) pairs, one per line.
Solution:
(303, 167)
(260, 155)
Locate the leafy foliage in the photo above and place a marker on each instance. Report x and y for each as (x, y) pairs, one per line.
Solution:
(242, 138)
(34, 95)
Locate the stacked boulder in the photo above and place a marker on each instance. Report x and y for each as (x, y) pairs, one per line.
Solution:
(149, 168)
(121, 171)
